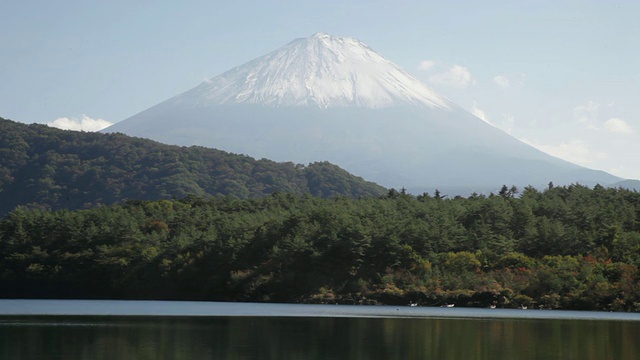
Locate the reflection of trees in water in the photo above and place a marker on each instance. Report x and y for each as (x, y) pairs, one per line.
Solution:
(318, 338)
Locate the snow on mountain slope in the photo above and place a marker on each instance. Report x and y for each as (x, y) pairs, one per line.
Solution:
(327, 98)
(321, 70)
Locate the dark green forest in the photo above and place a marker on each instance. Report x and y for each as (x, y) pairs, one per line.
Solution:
(48, 168)
(569, 247)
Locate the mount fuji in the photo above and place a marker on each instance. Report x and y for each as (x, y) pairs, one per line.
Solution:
(329, 98)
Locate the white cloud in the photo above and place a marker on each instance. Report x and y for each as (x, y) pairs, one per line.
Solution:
(575, 151)
(502, 81)
(589, 115)
(617, 126)
(427, 65)
(508, 118)
(457, 76)
(85, 123)
(586, 113)
(508, 123)
(479, 113)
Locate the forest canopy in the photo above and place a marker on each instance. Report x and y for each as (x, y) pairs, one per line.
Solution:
(569, 247)
(48, 168)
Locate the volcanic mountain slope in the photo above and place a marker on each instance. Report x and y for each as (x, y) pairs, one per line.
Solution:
(326, 98)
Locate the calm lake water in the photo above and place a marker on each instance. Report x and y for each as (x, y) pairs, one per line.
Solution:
(31, 329)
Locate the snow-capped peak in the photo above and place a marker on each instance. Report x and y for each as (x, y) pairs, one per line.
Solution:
(321, 70)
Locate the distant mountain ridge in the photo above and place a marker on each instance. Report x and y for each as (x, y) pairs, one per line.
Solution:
(630, 184)
(59, 169)
(327, 98)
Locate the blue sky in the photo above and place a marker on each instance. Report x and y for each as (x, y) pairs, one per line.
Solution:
(563, 76)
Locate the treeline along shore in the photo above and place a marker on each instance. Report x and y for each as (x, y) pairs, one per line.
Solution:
(569, 247)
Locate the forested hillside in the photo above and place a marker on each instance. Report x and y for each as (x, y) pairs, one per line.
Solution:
(50, 168)
(566, 247)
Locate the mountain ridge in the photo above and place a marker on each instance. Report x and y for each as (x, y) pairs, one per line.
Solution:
(428, 143)
(50, 168)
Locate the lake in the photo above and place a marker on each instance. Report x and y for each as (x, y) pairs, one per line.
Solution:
(71, 329)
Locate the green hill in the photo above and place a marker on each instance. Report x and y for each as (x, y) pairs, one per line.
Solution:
(49, 168)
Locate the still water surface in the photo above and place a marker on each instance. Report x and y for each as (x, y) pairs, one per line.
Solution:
(185, 330)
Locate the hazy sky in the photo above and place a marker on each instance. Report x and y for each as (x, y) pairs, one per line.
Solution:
(563, 76)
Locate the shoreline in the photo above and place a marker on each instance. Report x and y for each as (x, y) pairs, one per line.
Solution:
(176, 309)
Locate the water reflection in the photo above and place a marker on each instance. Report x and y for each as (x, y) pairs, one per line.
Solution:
(314, 338)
